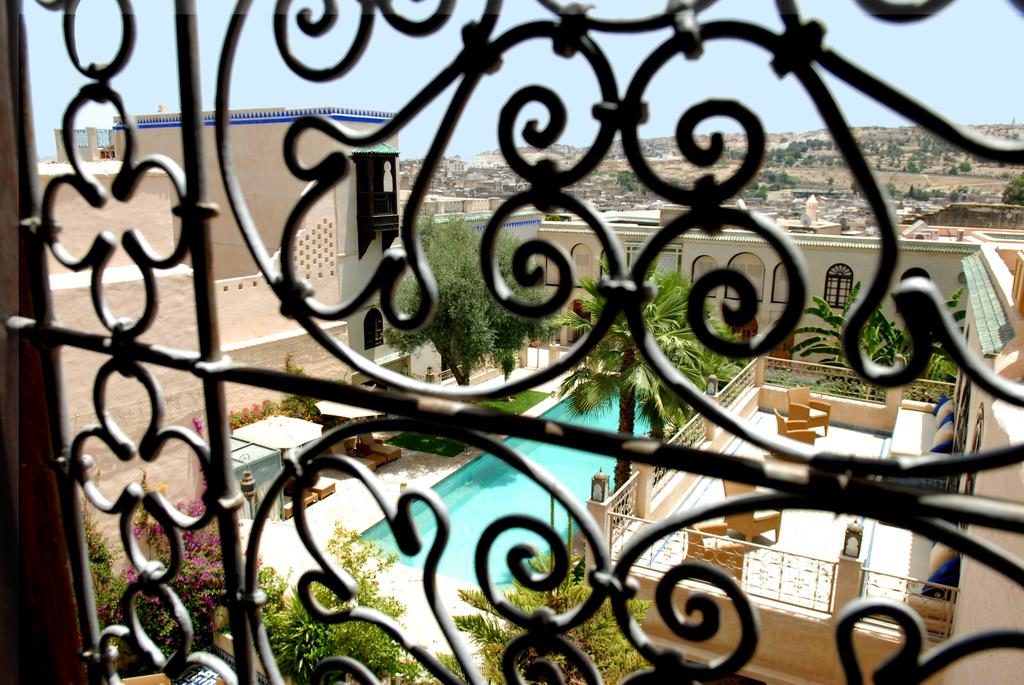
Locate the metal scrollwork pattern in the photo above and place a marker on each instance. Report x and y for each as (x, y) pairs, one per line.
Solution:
(814, 481)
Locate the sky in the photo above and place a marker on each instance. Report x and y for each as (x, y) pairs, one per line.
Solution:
(965, 62)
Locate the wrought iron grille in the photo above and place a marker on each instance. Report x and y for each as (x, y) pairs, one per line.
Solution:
(813, 481)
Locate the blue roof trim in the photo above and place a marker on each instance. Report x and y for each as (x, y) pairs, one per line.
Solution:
(269, 117)
(512, 224)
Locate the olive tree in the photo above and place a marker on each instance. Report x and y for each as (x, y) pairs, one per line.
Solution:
(469, 328)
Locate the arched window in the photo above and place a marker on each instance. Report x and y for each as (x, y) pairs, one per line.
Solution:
(701, 265)
(751, 266)
(373, 329)
(550, 272)
(582, 261)
(838, 282)
(780, 284)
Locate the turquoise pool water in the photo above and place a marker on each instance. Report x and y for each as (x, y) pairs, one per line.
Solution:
(487, 488)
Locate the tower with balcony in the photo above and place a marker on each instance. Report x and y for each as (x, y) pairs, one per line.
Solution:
(377, 194)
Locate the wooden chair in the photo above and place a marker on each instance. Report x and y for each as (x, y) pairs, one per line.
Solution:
(803, 408)
(794, 429)
(750, 523)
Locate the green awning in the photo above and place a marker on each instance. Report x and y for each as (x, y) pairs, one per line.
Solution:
(992, 325)
(377, 149)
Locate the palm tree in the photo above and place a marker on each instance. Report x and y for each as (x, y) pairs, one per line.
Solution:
(882, 340)
(491, 631)
(616, 372)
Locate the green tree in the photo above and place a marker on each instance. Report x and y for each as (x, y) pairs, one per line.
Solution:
(108, 587)
(469, 326)
(300, 641)
(616, 372)
(628, 181)
(756, 190)
(958, 193)
(1013, 194)
(965, 167)
(882, 340)
(599, 637)
(298, 406)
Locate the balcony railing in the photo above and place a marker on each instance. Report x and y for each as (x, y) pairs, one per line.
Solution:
(765, 572)
(934, 602)
(740, 384)
(922, 390)
(692, 434)
(621, 508)
(827, 380)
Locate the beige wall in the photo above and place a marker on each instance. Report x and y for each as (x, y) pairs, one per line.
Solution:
(175, 325)
(795, 647)
(270, 190)
(940, 260)
(148, 211)
(252, 329)
(126, 402)
(988, 599)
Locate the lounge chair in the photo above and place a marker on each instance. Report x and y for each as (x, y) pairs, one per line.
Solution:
(750, 523)
(323, 487)
(803, 408)
(794, 429)
(349, 447)
(374, 448)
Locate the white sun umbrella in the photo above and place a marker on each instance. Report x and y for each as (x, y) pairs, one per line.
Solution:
(345, 411)
(279, 432)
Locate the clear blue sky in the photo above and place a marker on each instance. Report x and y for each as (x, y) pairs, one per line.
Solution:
(967, 62)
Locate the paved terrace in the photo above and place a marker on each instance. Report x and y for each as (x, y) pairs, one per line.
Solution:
(820, 534)
(794, 572)
(787, 563)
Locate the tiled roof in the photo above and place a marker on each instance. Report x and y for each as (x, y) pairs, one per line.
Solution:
(992, 326)
(377, 149)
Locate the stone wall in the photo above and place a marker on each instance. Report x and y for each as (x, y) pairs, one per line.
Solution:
(977, 215)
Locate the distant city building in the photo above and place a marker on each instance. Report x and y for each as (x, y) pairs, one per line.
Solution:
(91, 144)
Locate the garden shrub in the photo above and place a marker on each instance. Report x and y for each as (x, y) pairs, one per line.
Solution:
(199, 583)
(599, 637)
(300, 642)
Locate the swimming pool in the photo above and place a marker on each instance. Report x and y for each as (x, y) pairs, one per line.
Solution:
(487, 488)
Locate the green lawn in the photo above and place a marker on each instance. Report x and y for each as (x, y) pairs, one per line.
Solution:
(449, 448)
(519, 403)
(427, 443)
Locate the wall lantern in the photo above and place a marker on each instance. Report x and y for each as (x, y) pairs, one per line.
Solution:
(854, 538)
(599, 486)
(712, 389)
(249, 490)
